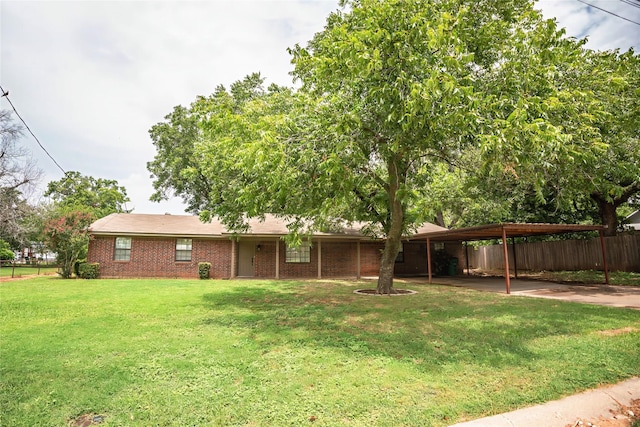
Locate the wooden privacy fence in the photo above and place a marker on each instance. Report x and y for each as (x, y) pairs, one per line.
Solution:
(623, 254)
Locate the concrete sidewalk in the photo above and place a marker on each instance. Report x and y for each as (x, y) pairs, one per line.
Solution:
(608, 295)
(595, 406)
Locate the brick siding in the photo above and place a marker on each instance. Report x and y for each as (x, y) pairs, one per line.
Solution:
(370, 255)
(155, 257)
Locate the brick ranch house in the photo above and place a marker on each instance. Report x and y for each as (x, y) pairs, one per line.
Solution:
(144, 245)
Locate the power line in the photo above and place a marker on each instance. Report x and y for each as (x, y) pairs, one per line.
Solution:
(5, 94)
(633, 3)
(609, 12)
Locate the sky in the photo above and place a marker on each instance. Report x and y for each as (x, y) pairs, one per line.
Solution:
(90, 78)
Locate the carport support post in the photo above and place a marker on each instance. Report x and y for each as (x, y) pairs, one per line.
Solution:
(515, 261)
(429, 257)
(466, 256)
(506, 260)
(319, 259)
(604, 257)
(359, 269)
(277, 258)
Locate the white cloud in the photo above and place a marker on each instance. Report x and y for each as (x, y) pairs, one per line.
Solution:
(91, 77)
(603, 30)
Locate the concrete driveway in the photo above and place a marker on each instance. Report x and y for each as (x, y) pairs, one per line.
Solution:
(608, 295)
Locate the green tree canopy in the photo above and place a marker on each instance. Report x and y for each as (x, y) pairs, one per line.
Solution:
(410, 87)
(5, 251)
(395, 95)
(66, 232)
(98, 195)
(593, 166)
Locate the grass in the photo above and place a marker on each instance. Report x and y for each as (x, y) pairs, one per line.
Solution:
(26, 270)
(586, 276)
(263, 353)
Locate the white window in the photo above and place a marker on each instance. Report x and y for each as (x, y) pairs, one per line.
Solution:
(123, 249)
(183, 249)
(299, 254)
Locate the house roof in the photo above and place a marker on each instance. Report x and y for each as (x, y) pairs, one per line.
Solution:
(155, 225)
(495, 231)
(633, 220)
(191, 226)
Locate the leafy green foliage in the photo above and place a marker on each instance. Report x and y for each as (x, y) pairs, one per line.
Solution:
(175, 143)
(591, 167)
(5, 251)
(396, 96)
(407, 89)
(66, 233)
(89, 270)
(98, 195)
(203, 270)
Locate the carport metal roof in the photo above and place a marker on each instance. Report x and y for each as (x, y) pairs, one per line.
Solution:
(505, 230)
(495, 231)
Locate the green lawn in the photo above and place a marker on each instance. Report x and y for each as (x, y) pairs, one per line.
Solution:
(621, 278)
(590, 276)
(275, 353)
(26, 270)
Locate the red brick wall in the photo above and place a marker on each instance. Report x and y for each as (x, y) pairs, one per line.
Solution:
(370, 254)
(302, 269)
(339, 259)
(155, 257)
(265, 259)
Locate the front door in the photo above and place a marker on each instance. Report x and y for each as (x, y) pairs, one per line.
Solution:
(246, 255)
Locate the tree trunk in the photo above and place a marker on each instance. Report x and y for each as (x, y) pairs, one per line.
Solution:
(607, 209)
(394, 234)
(608, 216)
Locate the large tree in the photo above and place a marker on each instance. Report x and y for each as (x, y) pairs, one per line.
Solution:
(66, 232)
(405, 86)
(18, 177)
(593, 166)
(98, 195)
(392, 92)
(610, 175)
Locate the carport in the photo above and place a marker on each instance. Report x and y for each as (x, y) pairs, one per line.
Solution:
(504, 231)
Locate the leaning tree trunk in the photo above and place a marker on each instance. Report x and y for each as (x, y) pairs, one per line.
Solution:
(608, 216)
(394, 234)
(607, 207)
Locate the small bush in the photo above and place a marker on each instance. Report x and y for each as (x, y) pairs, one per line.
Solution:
(76, 266)
(6, 253)
(89, 270)
(203, 269)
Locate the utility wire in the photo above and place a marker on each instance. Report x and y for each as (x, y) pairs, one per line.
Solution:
(609, 12)
(631, 3)
(634, 3)
(5, 94)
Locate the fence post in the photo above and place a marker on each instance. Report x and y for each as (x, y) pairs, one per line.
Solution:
(13, 268)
